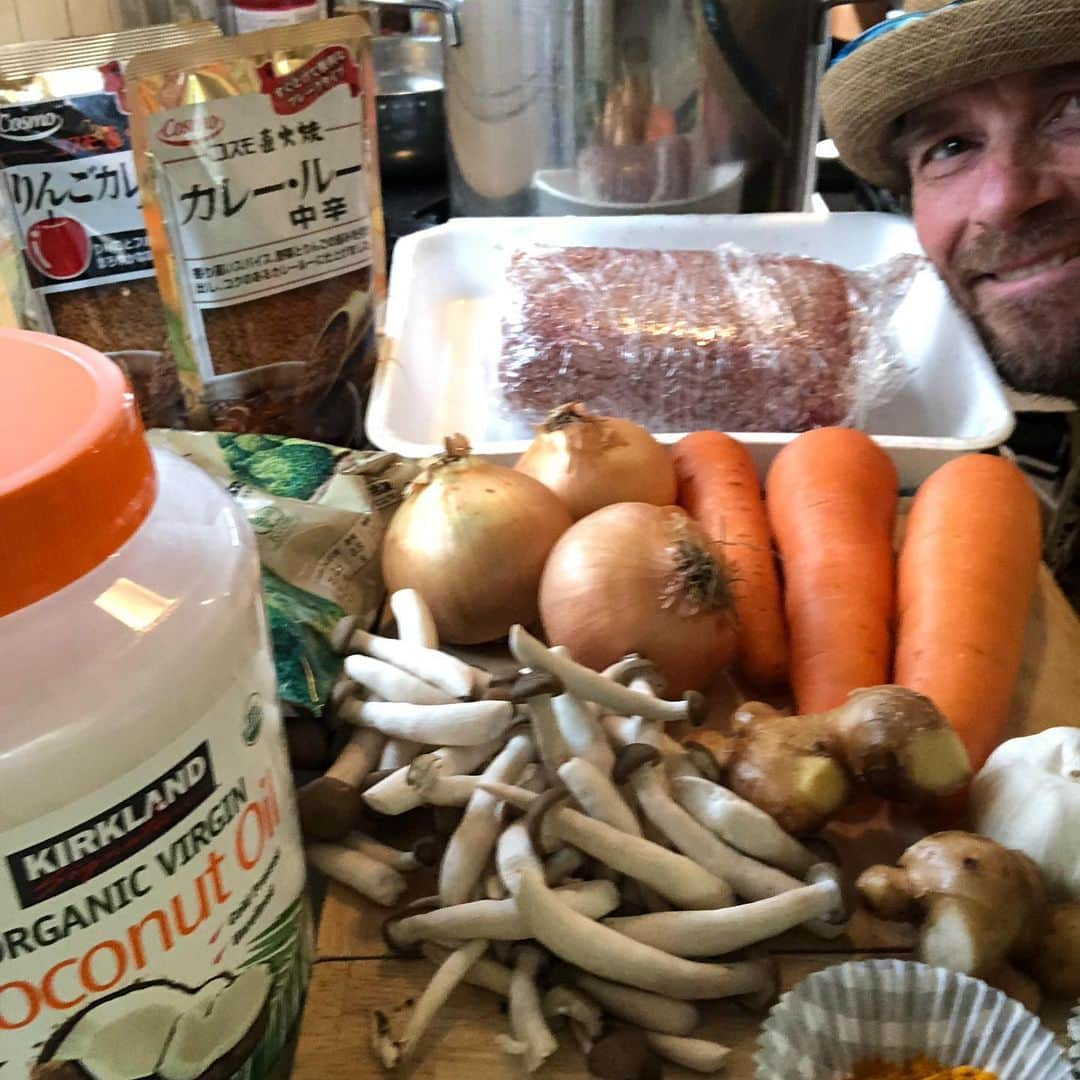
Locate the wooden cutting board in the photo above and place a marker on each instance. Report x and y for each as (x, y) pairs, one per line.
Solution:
(354, 975)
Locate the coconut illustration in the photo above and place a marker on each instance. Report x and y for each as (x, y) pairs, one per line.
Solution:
(163, 1030)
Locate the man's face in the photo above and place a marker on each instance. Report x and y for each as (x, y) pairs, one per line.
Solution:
(995, 175)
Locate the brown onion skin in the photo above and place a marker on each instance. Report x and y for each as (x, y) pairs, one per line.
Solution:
(601, 596)
(603, 461)
(477, 578)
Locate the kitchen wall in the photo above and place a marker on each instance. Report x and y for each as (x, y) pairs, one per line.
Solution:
(30, 20)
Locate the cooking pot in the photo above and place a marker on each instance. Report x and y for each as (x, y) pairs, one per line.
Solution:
(409, 103)
(620, 106)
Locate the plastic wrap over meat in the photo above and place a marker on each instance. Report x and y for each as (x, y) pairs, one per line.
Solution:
(682, 340)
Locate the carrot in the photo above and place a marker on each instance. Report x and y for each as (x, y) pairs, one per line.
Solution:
(831, 500)
(719, 489)
(968, 567)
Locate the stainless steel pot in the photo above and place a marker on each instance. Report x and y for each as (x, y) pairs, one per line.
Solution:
(630, 106)
(409, 102)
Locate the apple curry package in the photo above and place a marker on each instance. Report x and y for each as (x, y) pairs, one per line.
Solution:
(258, 168)
(71, 190)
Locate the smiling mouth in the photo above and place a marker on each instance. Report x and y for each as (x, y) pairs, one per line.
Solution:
(1029, 269)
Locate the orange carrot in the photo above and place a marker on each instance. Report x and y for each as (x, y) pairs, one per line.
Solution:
(967, 571)
(831, 500)
(719, 488)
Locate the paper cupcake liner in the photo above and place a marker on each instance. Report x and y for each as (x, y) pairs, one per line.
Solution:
(896, 1009)
(1073, 1037)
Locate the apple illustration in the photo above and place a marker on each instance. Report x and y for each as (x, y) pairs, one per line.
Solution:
(59, 247)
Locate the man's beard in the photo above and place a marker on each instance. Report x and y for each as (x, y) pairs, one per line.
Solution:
(1034, 341)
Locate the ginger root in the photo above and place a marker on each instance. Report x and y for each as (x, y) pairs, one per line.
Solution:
(800, 769)
(983, 908)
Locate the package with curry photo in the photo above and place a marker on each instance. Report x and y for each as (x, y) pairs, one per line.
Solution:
(259, 175)
(70, 182)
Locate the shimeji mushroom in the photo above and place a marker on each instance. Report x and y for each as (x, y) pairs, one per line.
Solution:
(531, 1036)
(652, 1011)
(415, 623)
(582, 733)
(423, 852)
(589, 685)
(394, 794)
(495, 920)
(749, 878)
(701, 1055)
(439, 669)
(726, 930)
(473, 840)
(398, 752)
(598, 796)
(740, 823)
(674, 876)
(605, 952)
(330, 805)
(464, 723)
(368, 876)
(535, 691)
(392, 683)
(395, 1053)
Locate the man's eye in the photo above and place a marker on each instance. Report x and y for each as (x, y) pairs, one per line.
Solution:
(1070, 110)
(945, 149)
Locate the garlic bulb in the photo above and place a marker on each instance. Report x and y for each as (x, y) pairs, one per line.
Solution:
(1027, 796)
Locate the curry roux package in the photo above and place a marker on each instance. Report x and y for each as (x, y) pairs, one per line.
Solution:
(70, 180)
(258, 168)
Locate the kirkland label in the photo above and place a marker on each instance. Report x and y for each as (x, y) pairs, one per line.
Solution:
(159, 927)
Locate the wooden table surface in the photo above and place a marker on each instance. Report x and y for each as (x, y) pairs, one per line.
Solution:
(354, 974)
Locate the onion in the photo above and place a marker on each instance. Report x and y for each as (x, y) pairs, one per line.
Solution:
(639, 578)
(471, 538)
(594, 461)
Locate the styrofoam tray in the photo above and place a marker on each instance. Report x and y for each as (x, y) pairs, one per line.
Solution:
(437, 369)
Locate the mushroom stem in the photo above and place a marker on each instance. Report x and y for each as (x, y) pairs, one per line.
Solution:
(562, 864)
(749, 878)
(395, 795)
(435, 789)
(473, 840)
(590, 685)
(358, 871)
(701, 1055)
(581, 732)
(487, 974)
(564, 1001)
(549, 741)
(432, 666)
(357, 759)
(741, 824)
(674, 876)
(496, 920)
(652, 1011)
(392, 1052)
(715, 933)
(398, 752)
(598, 796)
(415, 623)
(527, 1020)
(604, 952)
(402, 861)
(392, 684)
(464, 723)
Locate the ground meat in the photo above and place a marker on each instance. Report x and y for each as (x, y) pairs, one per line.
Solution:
(680, 340)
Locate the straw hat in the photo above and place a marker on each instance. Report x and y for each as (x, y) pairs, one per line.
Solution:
(936, 47)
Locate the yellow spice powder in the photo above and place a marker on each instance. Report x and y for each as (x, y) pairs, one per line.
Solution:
(918, 1068)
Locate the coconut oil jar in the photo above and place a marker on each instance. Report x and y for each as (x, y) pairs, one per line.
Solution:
(152, 913)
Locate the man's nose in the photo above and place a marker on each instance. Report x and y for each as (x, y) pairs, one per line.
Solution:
(1013, 180)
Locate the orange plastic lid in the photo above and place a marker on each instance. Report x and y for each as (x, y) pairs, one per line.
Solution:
(76, 476)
